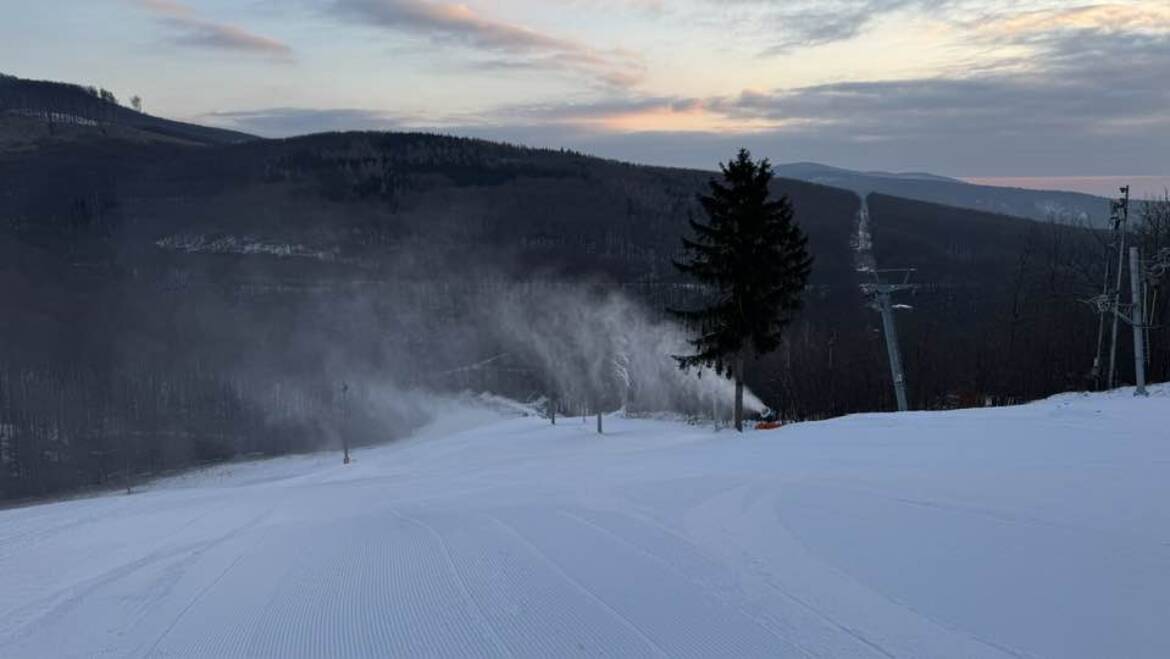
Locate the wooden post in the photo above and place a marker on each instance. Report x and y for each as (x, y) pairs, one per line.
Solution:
(739, 392)
(344, 430)
(126, 465)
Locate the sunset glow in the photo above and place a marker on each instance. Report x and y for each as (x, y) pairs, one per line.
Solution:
(1027, 88)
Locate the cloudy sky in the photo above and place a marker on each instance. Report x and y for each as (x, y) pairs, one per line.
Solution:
(1058, 90)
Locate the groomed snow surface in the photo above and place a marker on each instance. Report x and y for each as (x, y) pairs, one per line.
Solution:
(1041, 530)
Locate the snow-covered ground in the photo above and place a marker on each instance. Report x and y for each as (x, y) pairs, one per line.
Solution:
(1041, 530)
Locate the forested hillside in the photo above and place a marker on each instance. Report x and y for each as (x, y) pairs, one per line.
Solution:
(1001, 311)
(33, 111)
(167, 303)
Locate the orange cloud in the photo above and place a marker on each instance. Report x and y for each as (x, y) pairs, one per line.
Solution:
(521, 45)
(191, 30)
(674, 117)
(1104, 17)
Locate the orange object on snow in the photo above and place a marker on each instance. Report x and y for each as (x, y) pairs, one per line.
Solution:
(769, 425)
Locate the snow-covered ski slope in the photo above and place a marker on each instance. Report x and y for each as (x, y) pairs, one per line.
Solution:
(1041, 530)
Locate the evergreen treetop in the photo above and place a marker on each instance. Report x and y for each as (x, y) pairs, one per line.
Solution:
(752, 256)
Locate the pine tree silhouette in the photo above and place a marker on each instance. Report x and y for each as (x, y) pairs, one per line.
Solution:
(752, 256)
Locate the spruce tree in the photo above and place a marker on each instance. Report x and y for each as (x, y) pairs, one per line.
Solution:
(752, 257)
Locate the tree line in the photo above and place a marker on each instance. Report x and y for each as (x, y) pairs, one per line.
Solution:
(61, 103)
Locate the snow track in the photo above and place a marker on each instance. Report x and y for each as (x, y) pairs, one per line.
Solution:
(1042, 530)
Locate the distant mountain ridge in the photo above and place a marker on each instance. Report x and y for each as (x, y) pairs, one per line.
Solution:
(63, 108)
(1042, 205)
(809, 170)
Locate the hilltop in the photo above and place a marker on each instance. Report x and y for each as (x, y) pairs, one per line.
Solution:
(38, 112)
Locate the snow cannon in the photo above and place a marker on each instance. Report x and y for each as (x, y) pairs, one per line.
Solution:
(769, 420)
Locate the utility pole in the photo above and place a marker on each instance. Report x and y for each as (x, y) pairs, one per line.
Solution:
(1102, 311)
(1121, 227)
(1138, 320)
(345, 415)
(882, 293)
